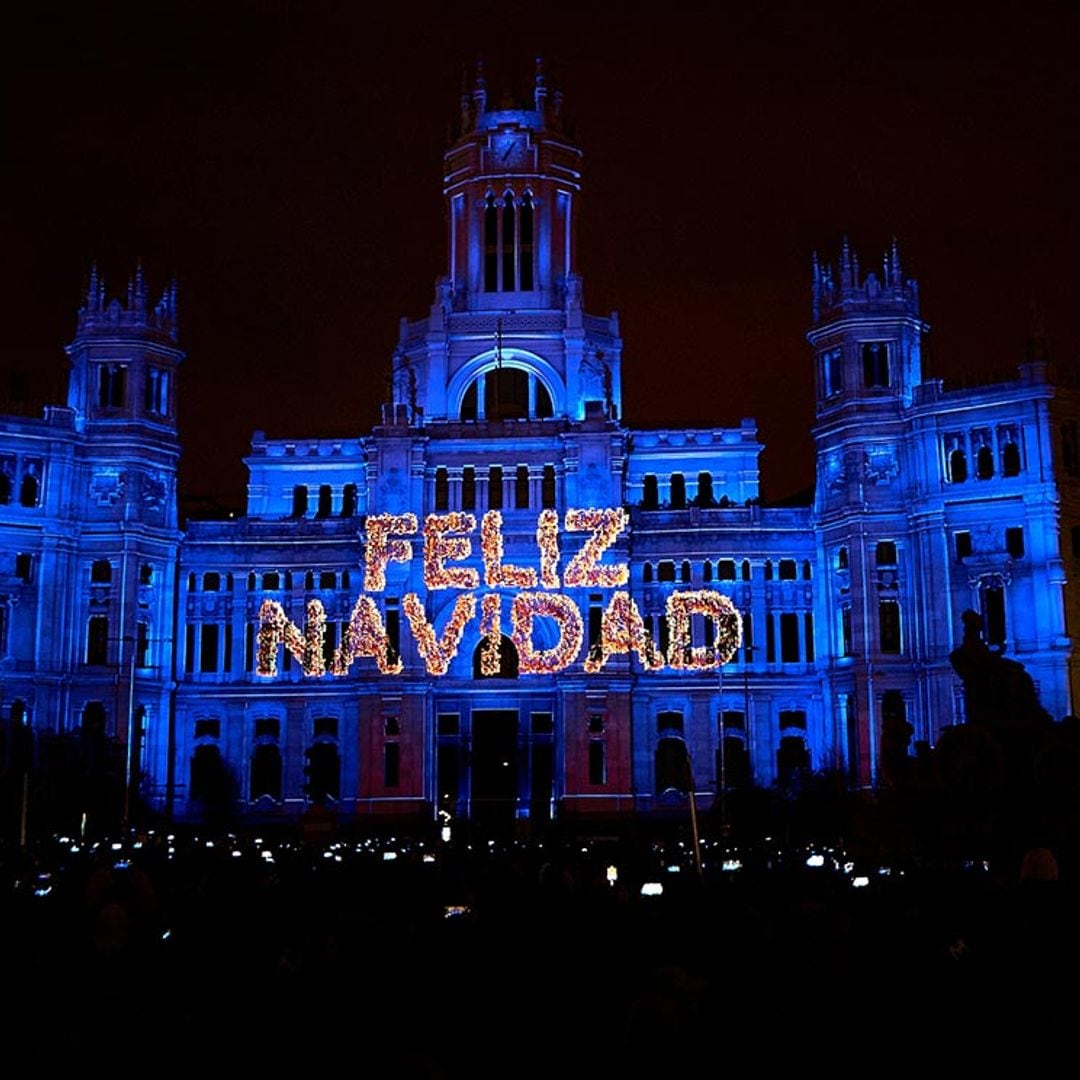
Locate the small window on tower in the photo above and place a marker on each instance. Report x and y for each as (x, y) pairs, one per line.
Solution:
(962, 540)
(1014, 541)
(875, 359)
(832, 371)
(886, 553)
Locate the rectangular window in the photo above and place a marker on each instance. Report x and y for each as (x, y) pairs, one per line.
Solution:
(650, 492)
(885, 554)
(792, 718)
(393, 631)
(391, 765)
(24, 567)
(962, 541)
(732, 720)
(226, 633)
(994, 614)
(330, 642)
(832, 371)
(596, 614)
(770, 639)
(542, 723)
(495, 487)
(249, 647)
(748, 637)
(889, 626)
(1014, 542)
(521, 488)
(211, 582)
(142, 645)
(325, 727)
(875, 361)
(468, 488)
(846, 644)
(665, 571)
(208, 647)
(189, 648)
(442, 489)
(788, 570)
(97, 640)
(808, 636)
(789, 638)
(725, 570)
(597, 762)
(448, 723)
(547, 488)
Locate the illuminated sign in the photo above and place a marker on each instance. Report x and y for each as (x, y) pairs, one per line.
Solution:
(447, 539)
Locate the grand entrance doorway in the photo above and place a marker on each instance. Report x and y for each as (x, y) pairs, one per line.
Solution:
(494, 786)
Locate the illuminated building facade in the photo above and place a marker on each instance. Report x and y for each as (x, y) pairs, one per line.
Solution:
(507, 397)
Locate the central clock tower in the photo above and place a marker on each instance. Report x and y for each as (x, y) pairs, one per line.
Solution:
(511, 182)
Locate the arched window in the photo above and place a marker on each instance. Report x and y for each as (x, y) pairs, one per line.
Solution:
(323, 770)
(704, 490)
(525, 222)
(506, 394)
(984, 463)
(958, 470)
(348, 501)
(5, 487)
(209, 778)
(842, 559)
(491, 245)
(508, 243)
(266, 772)
(678, 491)
(29, 489)
(684, 571)
(1010, 459)
(672, 773)
(508, 661)
(299, 500)
(326, 501)
(792, 758)
(650, 493)
(646, 572)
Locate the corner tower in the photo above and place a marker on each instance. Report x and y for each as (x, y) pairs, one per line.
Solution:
(507, 336)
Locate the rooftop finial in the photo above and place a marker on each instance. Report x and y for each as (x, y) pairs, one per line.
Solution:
(540, 85)
(94, 289)
(846, 276)
(140, 288)
(480, 89)
(466, 103)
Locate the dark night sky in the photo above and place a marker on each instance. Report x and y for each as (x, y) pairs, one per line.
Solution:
(284, 161)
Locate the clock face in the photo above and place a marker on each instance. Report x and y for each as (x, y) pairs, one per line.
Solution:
(510, 151)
